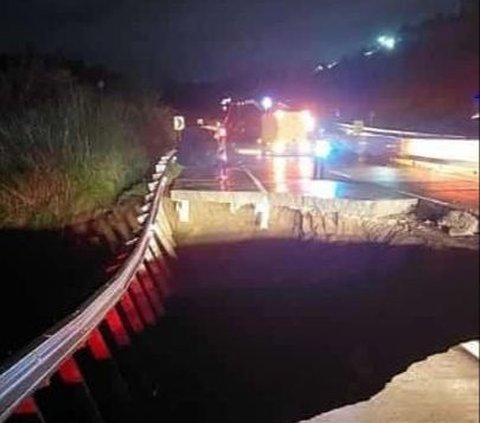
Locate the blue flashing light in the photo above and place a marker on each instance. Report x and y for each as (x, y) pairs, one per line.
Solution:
(322, 149)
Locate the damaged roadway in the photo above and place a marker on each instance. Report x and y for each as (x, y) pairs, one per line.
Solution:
(317, 312)
(324, 299)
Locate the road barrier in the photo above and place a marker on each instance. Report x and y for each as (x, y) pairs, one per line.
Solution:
(449, 153)
(352, 129)
(82, 344)
(452, 150)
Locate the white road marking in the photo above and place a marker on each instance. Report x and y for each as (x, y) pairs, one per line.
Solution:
(430, 199)
(255, 180)
(338, 173)
(407, 193)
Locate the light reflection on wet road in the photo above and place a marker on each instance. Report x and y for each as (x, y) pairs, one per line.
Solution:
(295, 175)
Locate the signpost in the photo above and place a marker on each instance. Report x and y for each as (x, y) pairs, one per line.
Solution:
(178, 123)
(178, 126)
(358, 127)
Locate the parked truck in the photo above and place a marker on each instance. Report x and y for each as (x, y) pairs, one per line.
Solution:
(280, 130)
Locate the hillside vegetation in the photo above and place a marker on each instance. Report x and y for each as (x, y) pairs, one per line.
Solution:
(429, 81)
(72, 138)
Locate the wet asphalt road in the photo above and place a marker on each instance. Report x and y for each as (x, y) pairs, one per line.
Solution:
(296, 175)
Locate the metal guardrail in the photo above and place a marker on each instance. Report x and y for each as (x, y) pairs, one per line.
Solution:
(367, 130)
(21, 378)
(454, 151)
(437, 151)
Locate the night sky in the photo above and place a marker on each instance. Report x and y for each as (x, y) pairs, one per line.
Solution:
(205, 40)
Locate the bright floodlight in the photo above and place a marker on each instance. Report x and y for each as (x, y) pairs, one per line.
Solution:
(322, 149)
(387, 42)
(304, 147)
(267, 103)
(279, 147)
(308, 120)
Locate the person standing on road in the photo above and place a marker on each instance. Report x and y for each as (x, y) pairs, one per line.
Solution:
(222, 156)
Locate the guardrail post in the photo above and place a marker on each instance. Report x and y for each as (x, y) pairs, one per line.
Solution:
(104, 379)
(159, 270)
(141, 300)
(67, 398)
(117, 328)
(159, 247)
(27, 412)
(164, 239)
(148, 283)
(129, 365)
(128, 310)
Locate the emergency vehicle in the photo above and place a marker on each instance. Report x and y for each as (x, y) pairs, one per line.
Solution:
(278, 130)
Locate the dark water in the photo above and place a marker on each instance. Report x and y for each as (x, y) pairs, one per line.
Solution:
(274, 331)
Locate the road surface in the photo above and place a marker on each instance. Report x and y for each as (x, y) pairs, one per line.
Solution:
(452, 397)
(295, 175)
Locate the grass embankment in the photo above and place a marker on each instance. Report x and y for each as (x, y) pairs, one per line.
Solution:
(66, 159)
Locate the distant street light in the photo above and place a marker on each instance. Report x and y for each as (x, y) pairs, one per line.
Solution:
(322, 149)
(267, 103)
(387, 42)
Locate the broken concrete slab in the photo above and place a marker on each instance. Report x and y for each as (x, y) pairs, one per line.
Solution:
(362, 206)
(460, 223)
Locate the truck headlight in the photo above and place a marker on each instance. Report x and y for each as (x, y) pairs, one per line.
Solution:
(304, 147)
(279, 147)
